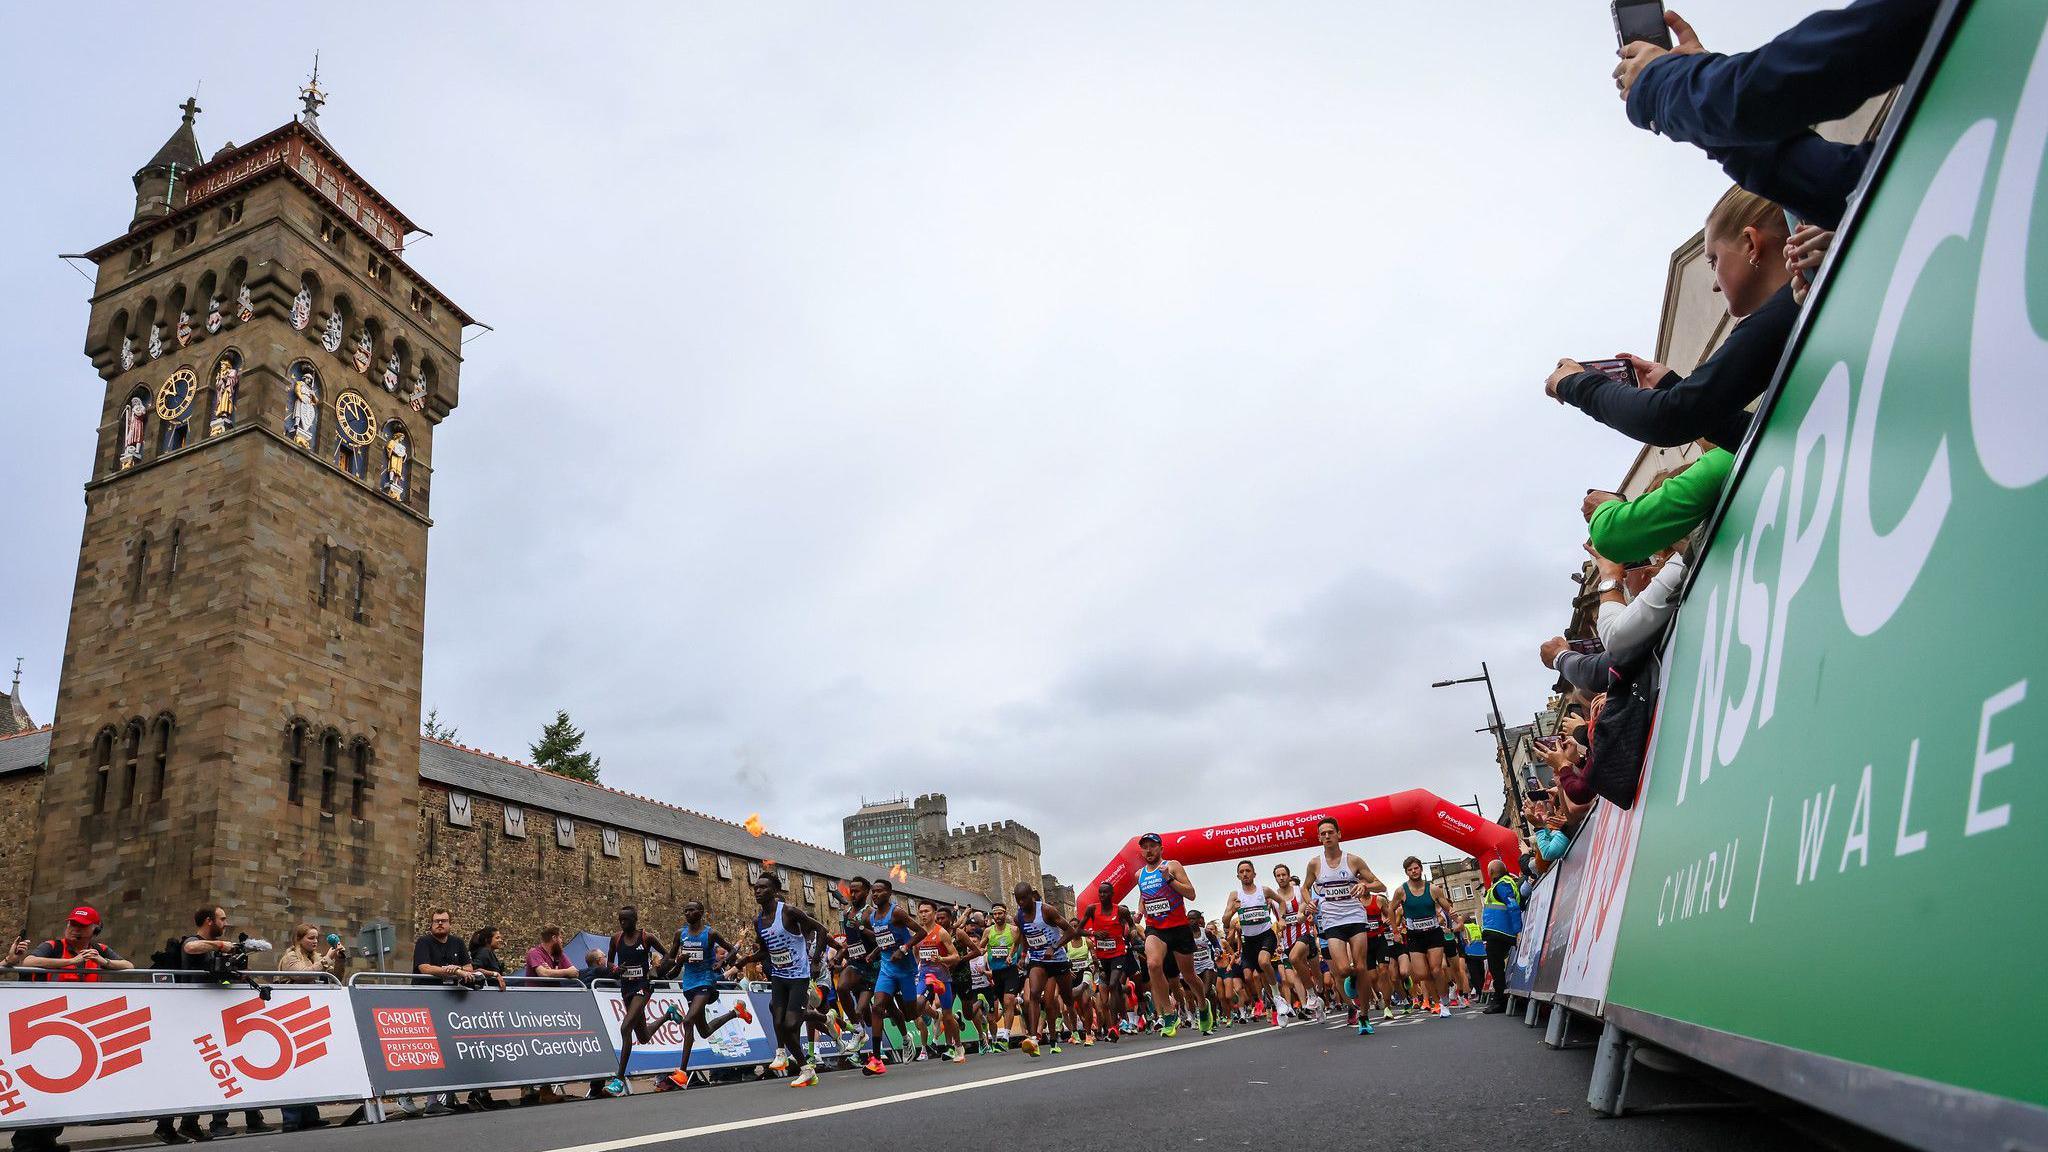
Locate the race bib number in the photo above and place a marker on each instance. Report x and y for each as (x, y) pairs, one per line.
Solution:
(632, 972)
(928, 955)
(1157, 907)
(999, 952)
(856, 951)
(1105, 943)
(782, 957)
(1415, 925)
(693, 954)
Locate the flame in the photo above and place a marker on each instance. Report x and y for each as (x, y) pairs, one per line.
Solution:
(753, 825)
(897, 873)
(767, 865)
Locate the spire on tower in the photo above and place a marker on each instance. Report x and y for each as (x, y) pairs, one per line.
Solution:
(156, 181)
(312, 97)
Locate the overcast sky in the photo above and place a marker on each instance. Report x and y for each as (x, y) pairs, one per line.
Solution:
(1112, 416)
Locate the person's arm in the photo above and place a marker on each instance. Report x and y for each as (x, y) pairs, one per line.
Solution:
(1178, 877)
(1630, 531)
(1367, 882)
(1230, 910)
(1588, 672)
(1822, 68)
(422, 960)
(1709, 403)
(1273, 902)
(1635, 624)
(1308, 888)
(1067, 928)
(200, 944)
(1811, 176)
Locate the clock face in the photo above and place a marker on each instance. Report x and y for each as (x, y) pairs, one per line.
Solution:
(353, 419)
(174, 397)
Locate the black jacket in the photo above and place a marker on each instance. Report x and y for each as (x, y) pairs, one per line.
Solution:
(1709, 403)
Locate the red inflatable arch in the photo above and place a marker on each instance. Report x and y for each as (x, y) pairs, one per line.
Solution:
(1416, 810)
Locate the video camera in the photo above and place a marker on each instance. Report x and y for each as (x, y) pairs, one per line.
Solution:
(473, 981)
(232, 966)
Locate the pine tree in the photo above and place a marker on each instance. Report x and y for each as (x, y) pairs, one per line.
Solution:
(560, 750)
(431, 726)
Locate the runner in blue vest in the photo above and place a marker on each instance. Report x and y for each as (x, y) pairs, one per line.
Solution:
(696, 952)
(895, 994)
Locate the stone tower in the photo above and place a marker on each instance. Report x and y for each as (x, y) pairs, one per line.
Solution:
(238, 715)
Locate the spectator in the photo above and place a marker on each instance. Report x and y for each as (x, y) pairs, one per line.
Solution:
(1629, 531)
(1745, 243)
(304, 954)
(1629, 626)
(74, 954)
(1804, 250)
(1752, 112)
(1586, 671)
(547, 958)
(210, 938)
(1500, 923)
(440, 953)
(483, 957)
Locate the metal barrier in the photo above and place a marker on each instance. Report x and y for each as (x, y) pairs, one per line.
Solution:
(417, 980)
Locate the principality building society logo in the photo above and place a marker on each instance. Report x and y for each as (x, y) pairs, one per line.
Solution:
(88, 1043)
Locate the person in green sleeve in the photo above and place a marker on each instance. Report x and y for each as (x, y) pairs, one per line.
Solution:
(1629, 531)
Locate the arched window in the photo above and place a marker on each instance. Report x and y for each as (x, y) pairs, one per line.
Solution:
(174, 548)
(302, 404)
(207, 302)
(335, 324)
(235, 292)
(120, 340)
(138, 574)
(131, 761)
(102, 766)
(180, 315)
(149, 332)
(359, 777)
(304, 302)
(224, 386)
(161, 756)
(330, 767)
(395, 475)
(295, 761)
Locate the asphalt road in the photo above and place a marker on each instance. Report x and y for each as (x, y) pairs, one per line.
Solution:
(1470, 1082)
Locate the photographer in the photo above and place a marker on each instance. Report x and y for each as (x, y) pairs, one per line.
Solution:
(73, 954)
(209, 951)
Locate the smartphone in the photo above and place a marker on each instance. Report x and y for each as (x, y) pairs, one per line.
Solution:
(1539, 793)
(1619, 371)
(1640, 20)
(1589, 646)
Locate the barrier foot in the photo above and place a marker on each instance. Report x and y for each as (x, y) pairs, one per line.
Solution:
(373, 1110)
(1560, 1027)
(1533, 1014)
(1607, 1090)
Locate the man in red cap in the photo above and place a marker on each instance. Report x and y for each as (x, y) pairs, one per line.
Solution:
(74, 954)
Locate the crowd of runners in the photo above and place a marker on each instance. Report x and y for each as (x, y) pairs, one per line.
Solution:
(896, 980)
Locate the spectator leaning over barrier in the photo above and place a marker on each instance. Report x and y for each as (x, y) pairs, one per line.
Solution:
(305, 954)
(1752, 111)
(1500, 922)
(74, 954)
(1627, 626)
(1630, 531)
(1745, 249)
(440, 953)
(483, 958)
(548, 959)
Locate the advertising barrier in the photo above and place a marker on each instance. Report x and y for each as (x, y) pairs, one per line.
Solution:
(737, 1043)
(71, 1052)
(1850, 738)
(436, 1038)
(1565, 879)
(1529, 946)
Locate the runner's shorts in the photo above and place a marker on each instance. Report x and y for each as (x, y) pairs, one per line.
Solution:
(1180, 938)
(1340, 932)
(1262, 942)
(891, 980)
(1375, 951)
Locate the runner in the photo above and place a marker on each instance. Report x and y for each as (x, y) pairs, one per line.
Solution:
(697, 952)
(999, 944)
(967, 939)
(1081, 979)
(895, 990)
(1423, 909)
(1378, 973)
(632, 955)
(1296, 953)
(1163, 892)
(856, 976)
(1454, 933)
(1338, 883)
(1045, 934)
(1205, 949)
(937, 952)
(789, 940)
(1251, 910)
(1108, 924)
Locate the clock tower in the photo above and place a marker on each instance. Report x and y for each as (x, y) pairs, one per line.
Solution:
(238, 715)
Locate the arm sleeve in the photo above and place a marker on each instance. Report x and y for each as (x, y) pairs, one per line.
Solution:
(1709, 403)
(1811, 176)
(421, 956)
(1628, 531)
(1821, 68)
(1626, 628)
(1588, 673)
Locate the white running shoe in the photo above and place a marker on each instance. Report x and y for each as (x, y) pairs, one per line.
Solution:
(781, 1061)
(1443, 1012)
(806, 1078)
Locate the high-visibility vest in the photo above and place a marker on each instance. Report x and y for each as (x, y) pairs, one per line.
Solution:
(1498, 915)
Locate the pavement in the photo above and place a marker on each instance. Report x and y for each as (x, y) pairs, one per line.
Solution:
(1470, 1082)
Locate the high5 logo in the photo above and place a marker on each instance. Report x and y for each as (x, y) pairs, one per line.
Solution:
(77, 1045)
(268, 1040)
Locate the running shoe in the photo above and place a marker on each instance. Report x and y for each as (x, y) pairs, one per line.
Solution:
(742, 1011)
(1029, 1044)
(615, 1087)
(679, 1078)
(1113, 1034)
(1365, 1027)
(1171, 1027)
(959, 1055)
(1273, 1016)
(1351, 1014)
(1443, 1012)
(1088, 1041)
(805, 1078)
(672, 1014)
(874, 1067)
(780, 1063)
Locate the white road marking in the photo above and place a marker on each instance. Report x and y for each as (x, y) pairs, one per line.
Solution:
(879, 1101)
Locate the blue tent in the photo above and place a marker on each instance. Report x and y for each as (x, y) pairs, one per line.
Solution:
(580, 945)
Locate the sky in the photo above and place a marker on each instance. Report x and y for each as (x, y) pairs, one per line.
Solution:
(1112, 416)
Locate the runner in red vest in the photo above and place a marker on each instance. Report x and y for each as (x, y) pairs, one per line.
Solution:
(1108, 924)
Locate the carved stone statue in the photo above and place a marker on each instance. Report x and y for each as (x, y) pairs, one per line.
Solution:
(227, 380)
(302, 421)
(184, 329)
(156, 341)
(132, 418)
(362, 354)
(245, 308)
(391, 374)
(127, 353)
(213, 317)
(302, 308)
(395, 453)
(331, 338)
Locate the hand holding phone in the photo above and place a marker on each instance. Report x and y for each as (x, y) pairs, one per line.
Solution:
(1640, 21)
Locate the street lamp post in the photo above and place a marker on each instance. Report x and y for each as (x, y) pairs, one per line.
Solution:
(1500, 736)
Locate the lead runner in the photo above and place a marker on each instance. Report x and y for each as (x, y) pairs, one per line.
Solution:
(1163, 892)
